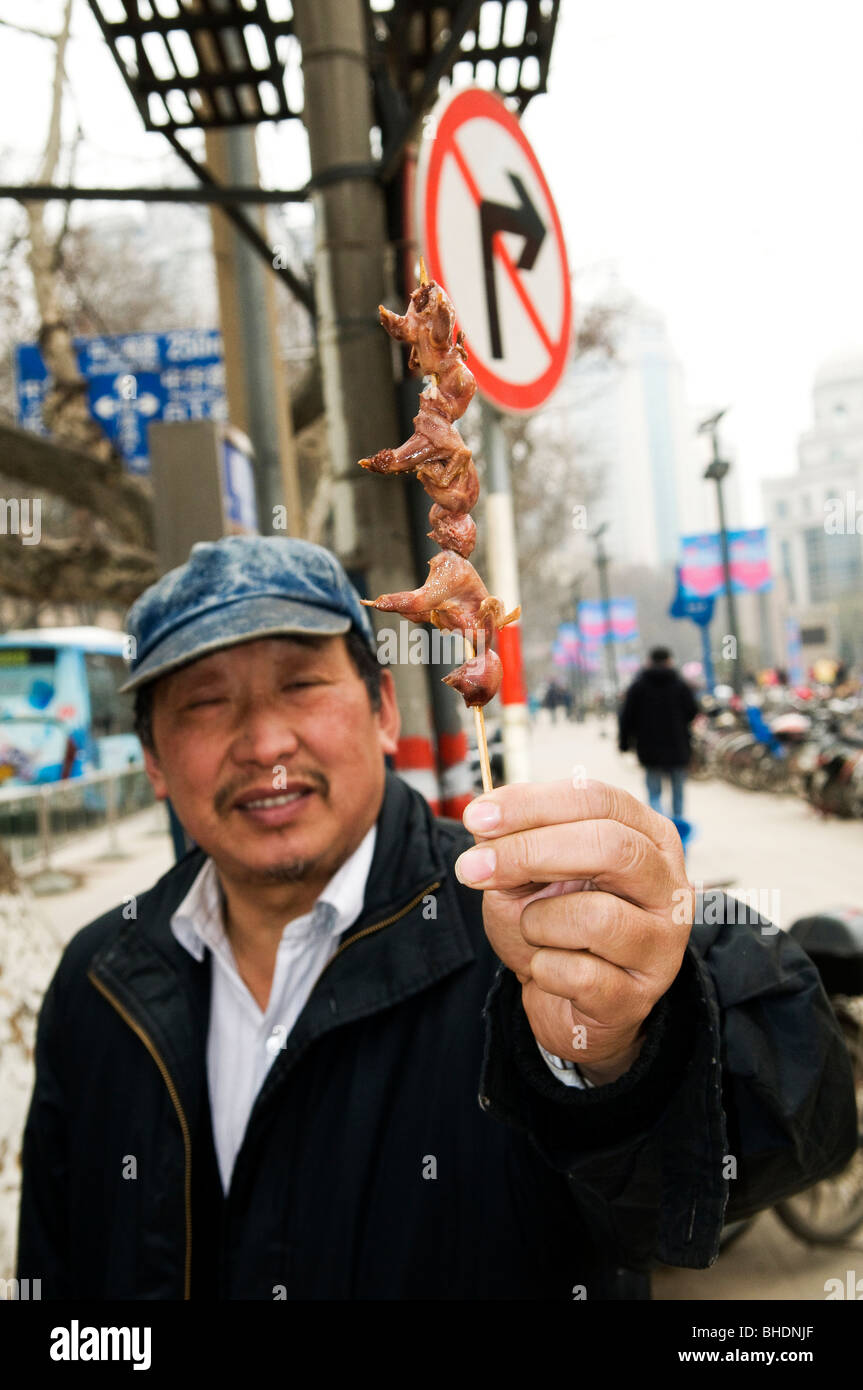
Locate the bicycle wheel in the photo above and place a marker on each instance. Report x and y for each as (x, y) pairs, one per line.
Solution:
(832, 1210)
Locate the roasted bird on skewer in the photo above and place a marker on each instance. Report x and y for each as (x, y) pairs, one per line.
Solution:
(453, 597)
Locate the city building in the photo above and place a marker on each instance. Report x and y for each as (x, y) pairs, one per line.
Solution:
(630, 419)
(815, 516)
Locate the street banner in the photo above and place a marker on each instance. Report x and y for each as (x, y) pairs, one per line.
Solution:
(134, 379)
(593, 621)
(701, 574)
(567, 649)
(750, 566)
(624, 619)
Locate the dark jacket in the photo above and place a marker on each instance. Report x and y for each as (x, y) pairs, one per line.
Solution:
(409, 1141)
(656, 714)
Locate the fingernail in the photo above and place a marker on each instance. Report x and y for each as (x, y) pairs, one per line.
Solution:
(482, 815)
(475, 865)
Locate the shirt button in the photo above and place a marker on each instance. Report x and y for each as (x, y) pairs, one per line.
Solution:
(276, 1040)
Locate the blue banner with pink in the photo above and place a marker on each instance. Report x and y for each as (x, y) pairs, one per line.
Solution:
(594, 622)
(701, 574)
(580, 644)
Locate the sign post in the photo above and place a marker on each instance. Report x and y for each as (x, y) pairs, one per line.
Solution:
(491, 235)
(700, 610)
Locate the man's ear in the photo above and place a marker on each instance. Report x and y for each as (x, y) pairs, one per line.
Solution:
(389, 719)
(153, 770)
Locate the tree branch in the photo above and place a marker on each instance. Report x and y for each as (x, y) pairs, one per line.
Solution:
(52, 144)
(76, 571)
(25, 29)
(123, 503)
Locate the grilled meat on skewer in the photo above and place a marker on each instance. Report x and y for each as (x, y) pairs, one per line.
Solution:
(454, 598)
(428, 326)
(436, 451)
(478, 680)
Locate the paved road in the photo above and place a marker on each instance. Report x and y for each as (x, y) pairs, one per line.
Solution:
(757, 841)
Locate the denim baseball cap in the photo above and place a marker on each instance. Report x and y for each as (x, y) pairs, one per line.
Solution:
(235, 590)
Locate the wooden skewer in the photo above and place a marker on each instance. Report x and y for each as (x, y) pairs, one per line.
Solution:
(481, 739)
(479, 721)
(478, 711)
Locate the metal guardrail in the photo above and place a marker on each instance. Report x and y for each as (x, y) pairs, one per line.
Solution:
(34, 821)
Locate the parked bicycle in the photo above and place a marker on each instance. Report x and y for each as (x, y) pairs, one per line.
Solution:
(812, 749)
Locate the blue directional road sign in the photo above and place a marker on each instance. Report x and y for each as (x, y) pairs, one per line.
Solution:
(700, 610)
(133, 379)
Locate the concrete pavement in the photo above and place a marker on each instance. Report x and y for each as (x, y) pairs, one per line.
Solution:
(760, 842)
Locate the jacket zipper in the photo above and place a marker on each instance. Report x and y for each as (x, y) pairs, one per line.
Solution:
(172, 1090)
(377, 926)
(181, 1116)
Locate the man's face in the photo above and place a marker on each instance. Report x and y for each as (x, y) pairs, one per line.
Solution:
(272, 755)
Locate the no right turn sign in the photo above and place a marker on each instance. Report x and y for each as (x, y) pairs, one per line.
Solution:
(491, 236)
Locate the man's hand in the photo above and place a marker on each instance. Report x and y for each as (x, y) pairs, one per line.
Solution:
(586, 900)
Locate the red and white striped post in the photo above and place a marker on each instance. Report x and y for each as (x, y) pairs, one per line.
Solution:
(415, 764)
(503, 582)
(456, 783)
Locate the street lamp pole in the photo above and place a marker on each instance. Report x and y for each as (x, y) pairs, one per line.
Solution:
(575, 669)
(602, 570)
(717, 470)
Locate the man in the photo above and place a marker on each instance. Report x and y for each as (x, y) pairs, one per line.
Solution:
(296, 1068)
(656, 714)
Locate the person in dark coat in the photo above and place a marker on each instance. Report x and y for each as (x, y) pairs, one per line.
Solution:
(342, 1050)
(655, 717)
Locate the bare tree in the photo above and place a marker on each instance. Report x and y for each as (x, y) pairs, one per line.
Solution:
(65, 411)
(101, 544)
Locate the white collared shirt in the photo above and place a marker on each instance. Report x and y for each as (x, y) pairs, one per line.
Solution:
(243, 1040)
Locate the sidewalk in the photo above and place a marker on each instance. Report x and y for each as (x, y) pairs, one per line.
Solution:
(752, 841)
(145, 853)
(34, 929)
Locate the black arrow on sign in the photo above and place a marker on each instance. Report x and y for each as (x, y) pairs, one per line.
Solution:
(525, 221)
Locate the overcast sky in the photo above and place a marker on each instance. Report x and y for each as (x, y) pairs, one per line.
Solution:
(708, 153)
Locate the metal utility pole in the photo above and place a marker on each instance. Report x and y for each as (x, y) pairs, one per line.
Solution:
(717, 469)
(576, 673)
(372, 529)
(257, 395)
(602, 571)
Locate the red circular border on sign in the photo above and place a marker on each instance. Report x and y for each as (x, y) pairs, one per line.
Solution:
(464, 107)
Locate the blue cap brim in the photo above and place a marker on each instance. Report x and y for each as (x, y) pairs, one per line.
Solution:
(231, 624)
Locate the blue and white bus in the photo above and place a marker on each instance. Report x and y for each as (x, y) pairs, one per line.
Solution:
(60, 711)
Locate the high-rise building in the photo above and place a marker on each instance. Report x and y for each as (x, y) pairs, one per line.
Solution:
(815, 515)
(630, 418)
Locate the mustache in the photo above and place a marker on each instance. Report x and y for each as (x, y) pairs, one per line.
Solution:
(227, 795)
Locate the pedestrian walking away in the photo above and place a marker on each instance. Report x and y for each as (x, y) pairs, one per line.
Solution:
(655, 717)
